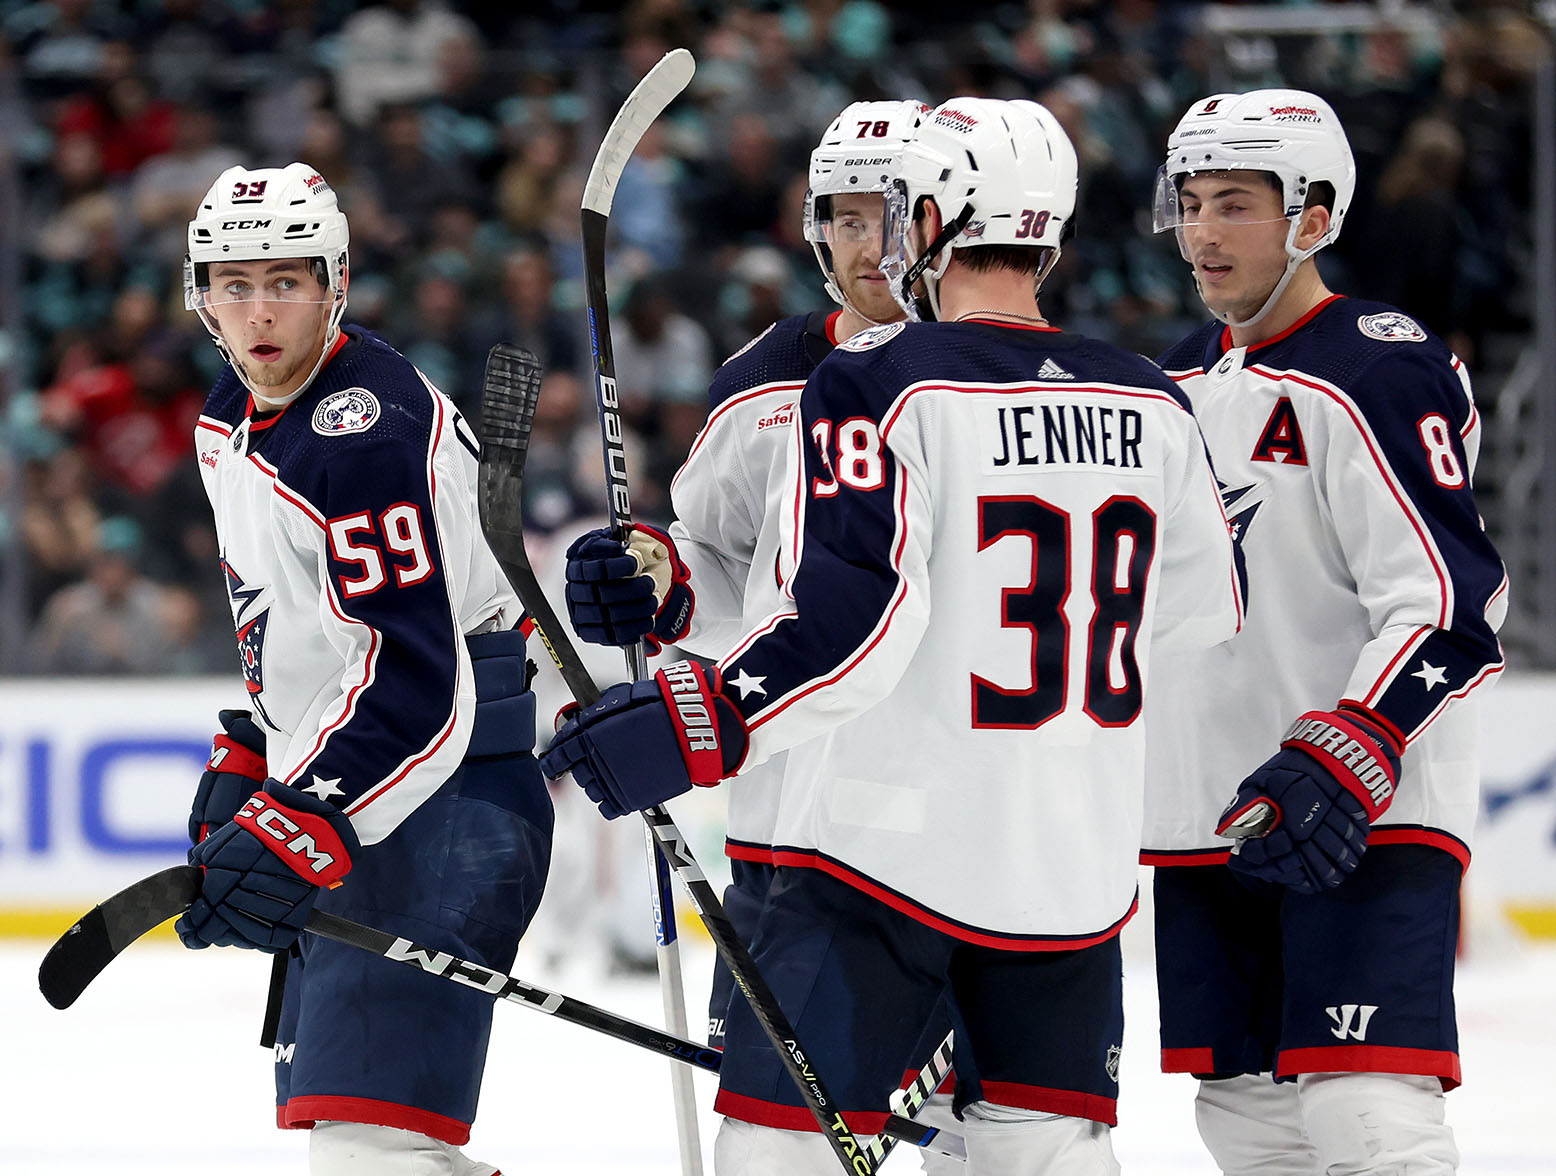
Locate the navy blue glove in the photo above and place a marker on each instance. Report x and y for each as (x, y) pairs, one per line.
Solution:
(504, 704)
(236, 768)
(262, 872)
(643, 742)
(1334, 775)
(620, 594)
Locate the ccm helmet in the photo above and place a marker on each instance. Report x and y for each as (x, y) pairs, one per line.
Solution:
(1001, 172)
(260, 214)
(1291, 135)
(860, 152)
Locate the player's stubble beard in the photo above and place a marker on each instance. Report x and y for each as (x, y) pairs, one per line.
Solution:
(285, 369)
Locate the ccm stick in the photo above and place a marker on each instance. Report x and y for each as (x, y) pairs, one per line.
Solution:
(82, 953)
(647, 101)
(511, 388)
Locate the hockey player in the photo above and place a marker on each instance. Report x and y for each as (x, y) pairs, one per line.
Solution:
(715, 574)
(1345, 438)
(991, 522)
(389, 748)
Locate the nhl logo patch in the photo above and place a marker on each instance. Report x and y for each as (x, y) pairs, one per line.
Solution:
(351, 411)
(873, 337)
(1392, 327)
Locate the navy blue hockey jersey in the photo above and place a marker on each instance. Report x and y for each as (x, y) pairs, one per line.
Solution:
(355, 565)
(729, 498)
(989, 527)
(1346, 448)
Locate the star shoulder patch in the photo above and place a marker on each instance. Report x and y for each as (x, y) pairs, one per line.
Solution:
(749, 684)
(325, 789)
(872, 337)
(353, 410)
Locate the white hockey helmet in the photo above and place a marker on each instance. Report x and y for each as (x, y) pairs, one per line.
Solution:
(1001, 172)
(263, 213)
(1292, 135)
(860, 152)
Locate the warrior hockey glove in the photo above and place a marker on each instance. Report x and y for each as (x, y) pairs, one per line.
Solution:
(235, 769)
(620, 595)
(262, 872)
(1334, 775)
(643, 742)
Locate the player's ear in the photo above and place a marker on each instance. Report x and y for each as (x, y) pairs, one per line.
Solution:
(1314, 224)
(927, 220)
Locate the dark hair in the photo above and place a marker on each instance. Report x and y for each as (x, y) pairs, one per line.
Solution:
(1023, 259)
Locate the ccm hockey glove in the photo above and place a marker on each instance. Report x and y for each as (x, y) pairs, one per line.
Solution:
(643, 742)
(235, 769)
(618, 595)
(262, 872)
(1334, 775)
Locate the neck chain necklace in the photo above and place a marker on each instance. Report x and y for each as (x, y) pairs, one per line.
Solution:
(1026, 318)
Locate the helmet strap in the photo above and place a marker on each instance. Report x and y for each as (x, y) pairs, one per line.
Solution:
(1294, 258)
(927, 310)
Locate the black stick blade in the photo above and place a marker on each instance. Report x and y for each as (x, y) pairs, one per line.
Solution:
(509, 392)
(111, 926)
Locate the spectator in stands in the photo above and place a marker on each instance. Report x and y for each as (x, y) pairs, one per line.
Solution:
(389, 54)
(168, 187)
(113, 622)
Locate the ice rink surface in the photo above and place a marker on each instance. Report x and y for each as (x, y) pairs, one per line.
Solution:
(155, 1072)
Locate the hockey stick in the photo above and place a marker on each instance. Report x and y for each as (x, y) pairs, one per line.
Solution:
(511, 387)
(81, 954)
(647, 101)
(910, 1100)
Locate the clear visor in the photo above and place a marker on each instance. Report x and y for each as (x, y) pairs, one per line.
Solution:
(225, 283)
(1231, 206)
(847, 218)
(895, 262)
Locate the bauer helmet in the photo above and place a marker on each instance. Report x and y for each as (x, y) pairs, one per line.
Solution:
(1292, 135)
(1001, 172)
(264, 213)
(860, 152)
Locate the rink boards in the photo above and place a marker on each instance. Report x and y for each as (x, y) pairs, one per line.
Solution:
(96, 776)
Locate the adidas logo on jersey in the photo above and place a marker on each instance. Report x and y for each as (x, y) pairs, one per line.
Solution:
(1052, 371)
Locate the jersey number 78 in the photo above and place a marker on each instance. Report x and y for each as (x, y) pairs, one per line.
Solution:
(1124, 540)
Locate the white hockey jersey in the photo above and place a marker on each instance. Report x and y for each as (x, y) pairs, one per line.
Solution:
(1346, 448)
(991, 525)
(355, 567)
(729, 499)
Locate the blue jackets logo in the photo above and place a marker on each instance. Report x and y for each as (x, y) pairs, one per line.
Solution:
(351, 411)
(1392, 327)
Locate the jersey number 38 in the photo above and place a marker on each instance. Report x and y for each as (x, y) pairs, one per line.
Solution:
(1124, 540)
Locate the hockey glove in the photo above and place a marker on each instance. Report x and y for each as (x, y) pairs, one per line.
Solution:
(1334, 775)
(235, 769)
(504, 704)
(620, 595)
(262, 872)
(643, 742)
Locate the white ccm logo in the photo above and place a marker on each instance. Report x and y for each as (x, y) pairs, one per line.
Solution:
(278, 826)
(1350, 1020)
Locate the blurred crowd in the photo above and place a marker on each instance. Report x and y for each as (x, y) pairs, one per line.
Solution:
(458, 137)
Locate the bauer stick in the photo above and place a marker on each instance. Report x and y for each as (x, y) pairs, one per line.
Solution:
(510, 390)
(82, 953)
(647, 101)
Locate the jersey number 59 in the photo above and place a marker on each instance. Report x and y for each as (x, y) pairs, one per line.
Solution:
(1124, 540)
(355, 540)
